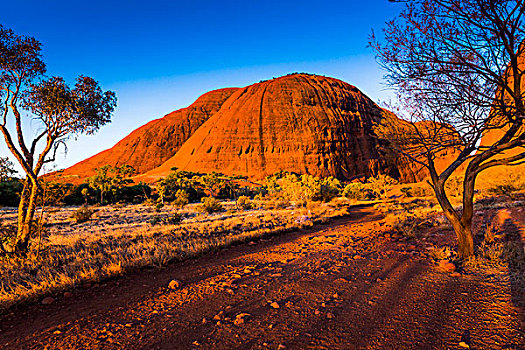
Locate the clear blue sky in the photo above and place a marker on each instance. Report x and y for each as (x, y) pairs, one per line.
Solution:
(159, 56)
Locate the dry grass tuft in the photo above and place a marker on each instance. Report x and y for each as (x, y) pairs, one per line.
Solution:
(97, 253)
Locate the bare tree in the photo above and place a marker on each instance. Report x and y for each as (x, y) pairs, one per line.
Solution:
(60, 110)
(457, 69)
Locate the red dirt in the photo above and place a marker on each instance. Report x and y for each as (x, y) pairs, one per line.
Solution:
(345, 285)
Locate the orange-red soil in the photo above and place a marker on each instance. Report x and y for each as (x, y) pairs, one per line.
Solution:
(345, 285)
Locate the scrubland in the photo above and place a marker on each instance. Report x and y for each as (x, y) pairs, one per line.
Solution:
(120, 239)
(114, 239)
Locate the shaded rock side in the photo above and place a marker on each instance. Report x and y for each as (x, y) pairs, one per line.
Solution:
(301, 123)
(153, 143)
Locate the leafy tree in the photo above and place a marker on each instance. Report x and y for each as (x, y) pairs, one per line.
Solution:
(60, 110)
(110, 179)
(458, 69)
(213, 183)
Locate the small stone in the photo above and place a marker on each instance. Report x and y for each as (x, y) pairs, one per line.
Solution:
(336, 295)
(219, 316)
(247, 270)
(238, 321)
(204, 320)
(274, 305)
(317, 312)
(230, 291)
(464, 345)
(57, 332)
(47, 301)
(174, 284)
(281, 346)
(330, 315)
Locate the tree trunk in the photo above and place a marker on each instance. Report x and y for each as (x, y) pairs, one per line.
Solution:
(26, 212)
(462, 226)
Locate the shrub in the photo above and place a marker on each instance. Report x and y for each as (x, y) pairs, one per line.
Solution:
(181, 198)
(82, 214)
(277, 204)
(381, 184)
(211, 205)
(244, 202)
(357, 191)
(173, 219)
(159, 206)
(405, 224)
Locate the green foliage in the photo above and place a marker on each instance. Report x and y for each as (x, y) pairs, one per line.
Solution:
(303, 188)
(181, 198)
(85, 194)
(109, 180)
(357, 191)
(168, 187)
(244, 202)
(211, 205)
(82, 214)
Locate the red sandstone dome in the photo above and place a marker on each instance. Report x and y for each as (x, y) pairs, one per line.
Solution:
(153, 143)
(301, 123)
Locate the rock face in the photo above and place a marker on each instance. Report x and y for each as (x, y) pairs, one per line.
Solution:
(301, 123)
(153, 143)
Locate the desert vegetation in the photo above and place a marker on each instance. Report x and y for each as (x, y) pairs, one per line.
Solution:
(457, 68)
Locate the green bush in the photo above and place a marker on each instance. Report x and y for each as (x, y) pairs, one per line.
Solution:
(244, 202)
(181, 198)
(82, 214)
(357, 191)
(211, 205)
(303, 188)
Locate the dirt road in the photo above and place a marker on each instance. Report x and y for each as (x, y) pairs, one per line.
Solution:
(345, 285)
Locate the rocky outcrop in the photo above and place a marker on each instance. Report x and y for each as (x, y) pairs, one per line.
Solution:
(153, 143)
(300, 123)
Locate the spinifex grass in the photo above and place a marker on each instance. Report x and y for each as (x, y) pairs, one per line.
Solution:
(89, 256)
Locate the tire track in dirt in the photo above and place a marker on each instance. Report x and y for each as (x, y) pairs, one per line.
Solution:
(344, 285)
